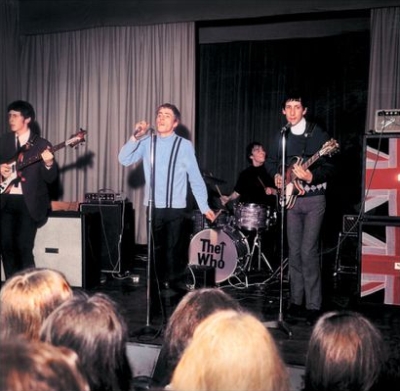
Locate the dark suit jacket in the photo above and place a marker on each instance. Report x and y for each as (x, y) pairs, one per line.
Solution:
(35, 177)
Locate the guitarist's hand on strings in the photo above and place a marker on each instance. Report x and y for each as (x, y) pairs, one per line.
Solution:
(47, 157)
(301, 173)
(278, 180)
(5, 170)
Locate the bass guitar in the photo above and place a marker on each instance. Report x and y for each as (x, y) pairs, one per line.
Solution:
(17, 166)
(294, 187)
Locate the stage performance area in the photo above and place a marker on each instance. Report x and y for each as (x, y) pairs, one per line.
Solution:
(257, 290)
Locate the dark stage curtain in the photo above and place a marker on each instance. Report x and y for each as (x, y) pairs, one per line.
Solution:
(240, 89)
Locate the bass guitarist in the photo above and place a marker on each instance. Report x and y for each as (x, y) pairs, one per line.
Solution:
(26, 202)
(305, 211)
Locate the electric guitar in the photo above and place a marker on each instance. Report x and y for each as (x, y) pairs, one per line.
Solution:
(17, 166)
(294, 187)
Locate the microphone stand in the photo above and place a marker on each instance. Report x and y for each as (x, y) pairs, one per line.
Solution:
(280, 323)
(148, 329)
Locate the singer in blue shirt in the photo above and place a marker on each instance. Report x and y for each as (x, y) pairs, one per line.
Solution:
(175, 164)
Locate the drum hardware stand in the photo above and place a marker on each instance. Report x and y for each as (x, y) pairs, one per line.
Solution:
(257, 243)
(280, 323)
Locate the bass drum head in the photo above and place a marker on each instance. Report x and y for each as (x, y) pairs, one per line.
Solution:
(219, 249)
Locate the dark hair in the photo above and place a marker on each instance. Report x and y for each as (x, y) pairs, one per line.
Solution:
(249, 149)
(27, 111)
(346, 352)
(296, 96)
(93, 327)
(25, 108)
(191, 310)
(33, 365)
(172, 107)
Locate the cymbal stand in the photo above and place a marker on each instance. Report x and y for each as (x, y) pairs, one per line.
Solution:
(260, 255)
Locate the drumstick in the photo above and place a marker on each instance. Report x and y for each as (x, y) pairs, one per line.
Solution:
(262, 184)
(218, 213)
(219, 191)
(273, 191)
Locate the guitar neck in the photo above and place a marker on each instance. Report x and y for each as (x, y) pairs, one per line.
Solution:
(311, 160)
(37, 157)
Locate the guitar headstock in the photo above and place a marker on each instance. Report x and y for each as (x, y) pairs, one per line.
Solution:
(329, 148)
(77, 138)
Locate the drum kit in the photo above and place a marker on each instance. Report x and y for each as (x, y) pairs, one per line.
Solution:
(224, 245)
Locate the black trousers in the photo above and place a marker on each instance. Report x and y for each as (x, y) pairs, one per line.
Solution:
(17, 234)
(169, 255)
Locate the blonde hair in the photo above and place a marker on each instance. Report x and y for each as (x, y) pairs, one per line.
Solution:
(28, 297)
(231, 351)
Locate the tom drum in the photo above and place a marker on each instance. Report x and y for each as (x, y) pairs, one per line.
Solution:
(251, 217)
(200, 222)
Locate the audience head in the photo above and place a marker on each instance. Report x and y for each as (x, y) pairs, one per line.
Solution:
(37, 366)
(231, 351)
(28, 297)
(93, 327)
(191, 310)
(346, 352)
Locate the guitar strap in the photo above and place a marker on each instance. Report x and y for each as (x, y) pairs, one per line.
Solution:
(31, 142)
(307, 134)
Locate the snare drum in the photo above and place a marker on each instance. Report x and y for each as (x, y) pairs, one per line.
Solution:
(251, 217)
(218, 248)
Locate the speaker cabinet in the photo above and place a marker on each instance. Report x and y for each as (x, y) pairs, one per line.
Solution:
(380, 261)
(380, 229)
(381, 180)
(59, 245)
(110, 230)
(347, 253)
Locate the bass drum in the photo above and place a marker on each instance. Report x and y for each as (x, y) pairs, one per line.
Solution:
(219, 248)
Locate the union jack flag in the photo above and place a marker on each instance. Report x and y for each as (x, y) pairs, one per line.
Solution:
(380, 234)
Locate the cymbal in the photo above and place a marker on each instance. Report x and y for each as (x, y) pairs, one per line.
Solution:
(212, 180)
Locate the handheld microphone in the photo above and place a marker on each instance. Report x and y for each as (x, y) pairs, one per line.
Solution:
(137, 131)
(140, 129)
(286, 127)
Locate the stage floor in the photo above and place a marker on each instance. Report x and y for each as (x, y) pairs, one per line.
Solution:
(258, 290)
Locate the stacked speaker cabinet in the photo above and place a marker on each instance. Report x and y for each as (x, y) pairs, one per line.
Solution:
(379, 247)
(110, 229)
(60, 245)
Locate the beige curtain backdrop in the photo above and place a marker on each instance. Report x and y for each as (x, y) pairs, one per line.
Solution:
(9, 57)
(104, 80)
(384, 76)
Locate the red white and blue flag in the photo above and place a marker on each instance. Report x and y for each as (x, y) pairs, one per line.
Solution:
(380, 252)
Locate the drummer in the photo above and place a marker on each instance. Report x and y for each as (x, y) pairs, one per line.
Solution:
(254, 185)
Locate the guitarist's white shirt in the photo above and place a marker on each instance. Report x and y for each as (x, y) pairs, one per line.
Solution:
(299, 128)
(23, 139)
